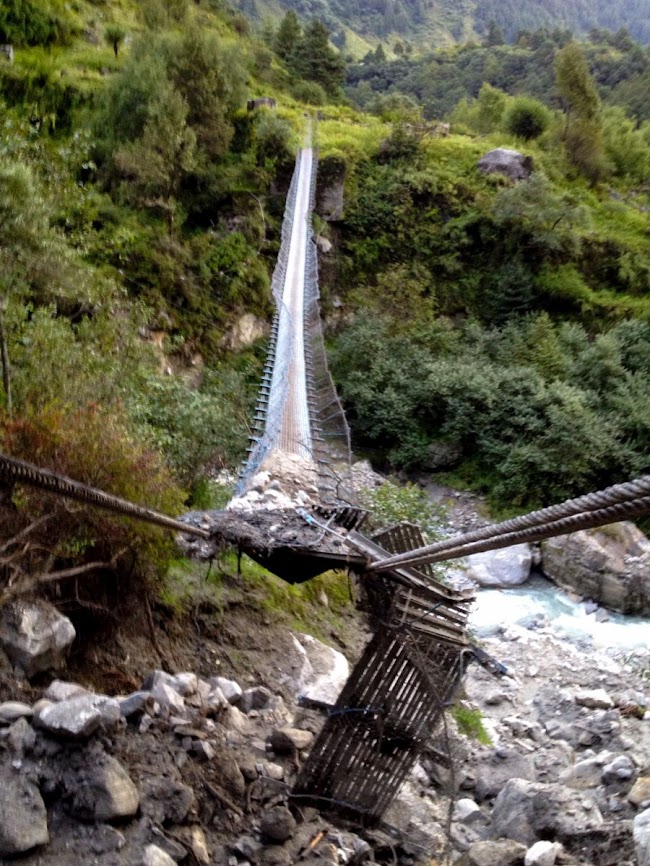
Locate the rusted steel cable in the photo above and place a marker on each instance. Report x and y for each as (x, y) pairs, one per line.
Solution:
(621, 501)
(14, 471)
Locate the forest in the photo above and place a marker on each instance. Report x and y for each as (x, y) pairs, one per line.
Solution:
(426, 24)
(140, 213)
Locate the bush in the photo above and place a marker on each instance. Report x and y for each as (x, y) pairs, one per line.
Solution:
(94, 447)
(310, 92)
(36, 22)
(527, 118)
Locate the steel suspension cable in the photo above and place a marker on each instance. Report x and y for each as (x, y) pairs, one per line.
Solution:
(617, 502)
(14, 471)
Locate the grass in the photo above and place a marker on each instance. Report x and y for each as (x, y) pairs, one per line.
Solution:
(470, 723)
(315, 607)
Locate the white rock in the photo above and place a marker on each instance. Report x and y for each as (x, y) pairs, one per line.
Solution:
(10, 711)
(230, 689)
(509, 566)
(36, 637)
(542, 854)
(466, 810)
(169, 698)
(155, 856)
(77, 718)
(185, 684)
(60, 690)
(324, 670)
(198, 845)
(594, 699)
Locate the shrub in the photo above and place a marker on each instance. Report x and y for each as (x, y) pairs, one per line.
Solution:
(310, 92)
(527, 118)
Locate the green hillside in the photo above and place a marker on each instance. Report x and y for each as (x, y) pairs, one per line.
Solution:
(357, 23)
(494, 330)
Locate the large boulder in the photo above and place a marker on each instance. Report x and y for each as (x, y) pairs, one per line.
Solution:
(509, 566)
(610, 565)
(511, 163)
(35, 636)
(528, 811)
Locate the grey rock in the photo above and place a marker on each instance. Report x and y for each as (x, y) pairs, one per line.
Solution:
(621, 769)
(511, 163)
(270, 770)
(185, 684)
(135, 704)
(492, 772)
(168, 698)
(610, 565)
(35, 637)
(23, 819)
(278, 824)
(502, 853)
(524, 810)
(235, 721)
(594, 699)
(106, 838)
(60, 690)
(231, 690)
(509, 566)
(277, 855)
(204, 750)
(229, 776)
(155, 678)
(77, 718)
(155, 856)
(10, 711)
(288, 740)
(216, 700)
(641, 831)
(467, 811)
(21, 737)
(582, 775)
(166, 801)
(256, 698)
(247, 846)
(103, 791)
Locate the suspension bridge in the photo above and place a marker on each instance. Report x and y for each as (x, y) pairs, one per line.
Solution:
(294, 512)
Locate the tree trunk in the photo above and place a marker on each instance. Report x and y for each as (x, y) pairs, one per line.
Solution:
(4, 351)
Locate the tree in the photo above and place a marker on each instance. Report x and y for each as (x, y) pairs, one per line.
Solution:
(316, 60)
(289, 32)
(575, 84)
(494, 35)
(380, 54)
(157, 161)
(527, 118)
(583, 130)
(33, 258)
(114, 35)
